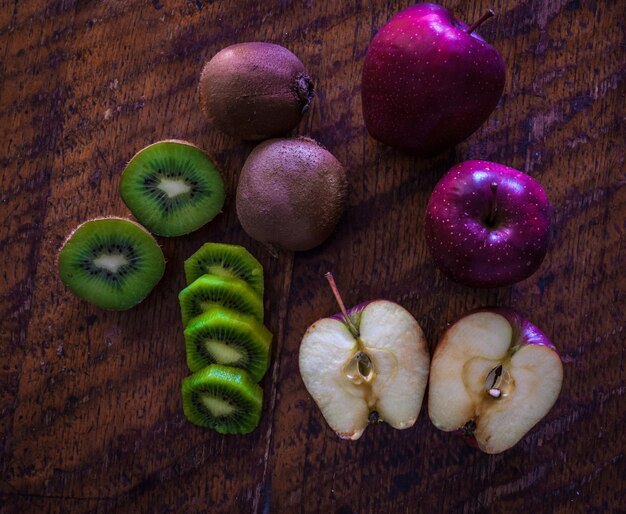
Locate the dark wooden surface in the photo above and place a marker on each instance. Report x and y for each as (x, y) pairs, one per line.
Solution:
(90, 408)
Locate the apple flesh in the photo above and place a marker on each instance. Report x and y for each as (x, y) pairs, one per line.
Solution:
(493, 376)
(429, 80)
(366, 365)
(487, 225)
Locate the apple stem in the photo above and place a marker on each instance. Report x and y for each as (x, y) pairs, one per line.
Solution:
(493, 206)
(480, 21)
(342, 307)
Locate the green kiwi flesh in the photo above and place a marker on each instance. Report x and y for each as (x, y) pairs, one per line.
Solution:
(223, 336)
(210, 291)
(225, 260)
(291, 193)
(111, 262)
(255, 90)
(223, 398)
(172, 188)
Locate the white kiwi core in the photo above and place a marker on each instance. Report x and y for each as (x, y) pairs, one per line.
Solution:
(173, 188)
(217, 406)
(111, 261)
(223, 353)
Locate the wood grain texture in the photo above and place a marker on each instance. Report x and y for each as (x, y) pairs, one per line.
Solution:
(90, 410)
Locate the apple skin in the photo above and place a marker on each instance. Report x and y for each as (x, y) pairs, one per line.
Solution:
(524, 333)
(427, 84)
(528, 333)
(476, 251)
(353, 311)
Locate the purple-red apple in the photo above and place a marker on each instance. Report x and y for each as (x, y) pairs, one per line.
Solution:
(429, 80)
(493, 376)
(487, 225)
(365, 365)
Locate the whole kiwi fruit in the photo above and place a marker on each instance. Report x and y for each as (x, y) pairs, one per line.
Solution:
(255, 90)
(291, 193)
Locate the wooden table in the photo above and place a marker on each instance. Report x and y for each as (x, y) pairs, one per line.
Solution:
(90, 407)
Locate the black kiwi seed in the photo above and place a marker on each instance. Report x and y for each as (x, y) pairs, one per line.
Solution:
(172, 188)
(223, 398)
(255, 90)
(111, 262)
(225, 260)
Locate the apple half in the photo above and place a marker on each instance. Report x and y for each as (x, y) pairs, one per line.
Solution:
(365, 365)
(493, 376)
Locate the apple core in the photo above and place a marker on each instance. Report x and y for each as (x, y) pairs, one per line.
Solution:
(359, 368)
(499, 382)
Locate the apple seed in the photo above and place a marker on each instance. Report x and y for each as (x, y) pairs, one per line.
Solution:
(359, 368)
(497, 380)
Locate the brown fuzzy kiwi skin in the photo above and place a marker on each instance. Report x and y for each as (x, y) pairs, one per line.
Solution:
(291, 193)
(180, 142)
(255, 90)
(98, 219)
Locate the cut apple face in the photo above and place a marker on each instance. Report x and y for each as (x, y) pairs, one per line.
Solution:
(488, 381)
(371, 368)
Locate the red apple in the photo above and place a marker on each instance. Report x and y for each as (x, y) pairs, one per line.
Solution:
(487, 225)
(429, 80)
(493, 376)
(367, 364)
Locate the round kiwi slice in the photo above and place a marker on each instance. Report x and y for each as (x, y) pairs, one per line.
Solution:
(225, 260)
(223, 336)
(255, 90)
(172, 188)
(291, 193)
(210, 291)
(222, 398)
(111, 262)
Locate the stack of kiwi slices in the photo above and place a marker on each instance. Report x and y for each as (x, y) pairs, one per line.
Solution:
(228, 347)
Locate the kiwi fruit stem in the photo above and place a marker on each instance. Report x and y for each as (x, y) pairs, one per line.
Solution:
(305, 90)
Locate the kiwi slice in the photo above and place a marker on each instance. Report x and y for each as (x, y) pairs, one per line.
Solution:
(223, 336)
(222, 398)
(212, 291)
(225, 260)
(172, 188)
(111, 262)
